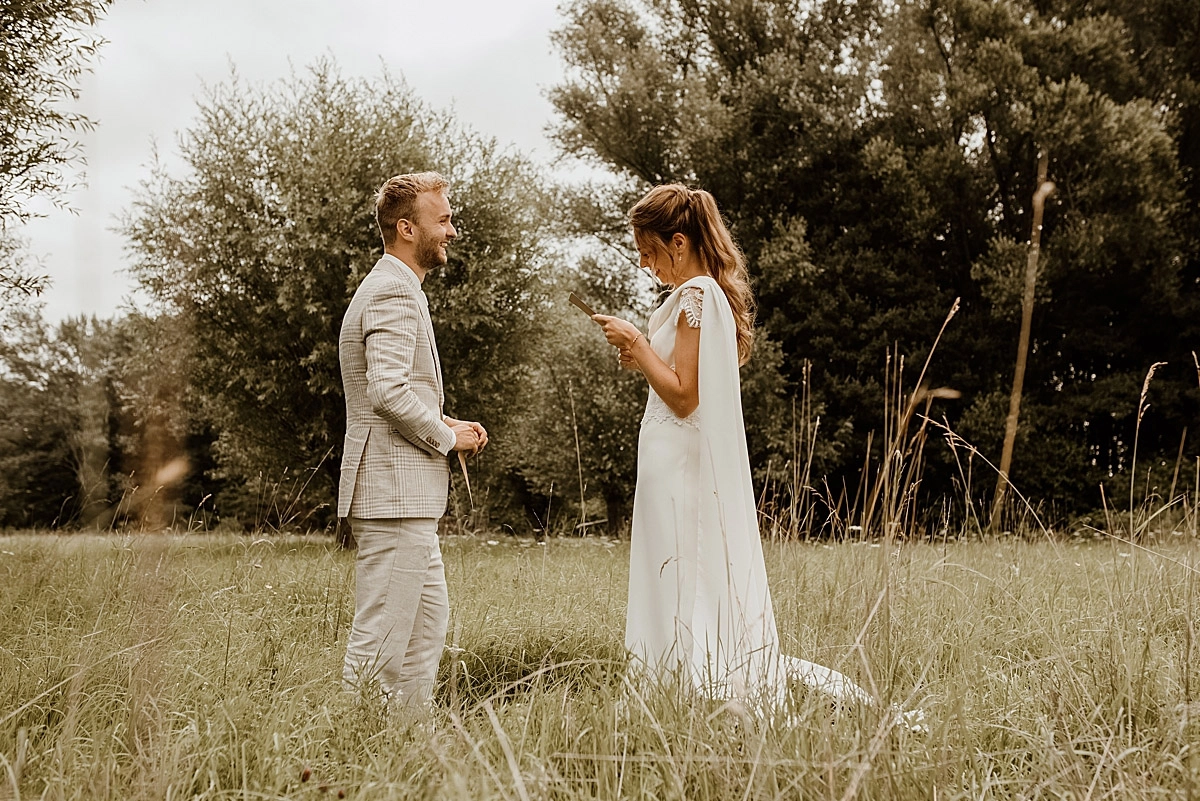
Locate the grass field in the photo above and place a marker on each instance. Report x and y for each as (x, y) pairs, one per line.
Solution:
(204, 666)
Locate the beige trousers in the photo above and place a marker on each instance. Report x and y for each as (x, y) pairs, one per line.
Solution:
(401, 609)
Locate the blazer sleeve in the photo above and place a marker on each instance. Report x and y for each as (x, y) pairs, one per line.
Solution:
(391, 321)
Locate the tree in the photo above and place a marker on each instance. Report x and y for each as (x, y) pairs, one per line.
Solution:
(877, 160)
(18, 280)
(45, 46)
(260, 245)
(1112, 296)
(59, 462)
(576, 436)
(96, 429)
(163, 448)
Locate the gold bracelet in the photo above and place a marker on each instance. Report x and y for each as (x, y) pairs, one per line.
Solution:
(635, 339)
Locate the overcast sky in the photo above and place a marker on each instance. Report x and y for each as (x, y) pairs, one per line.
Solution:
(488, 60)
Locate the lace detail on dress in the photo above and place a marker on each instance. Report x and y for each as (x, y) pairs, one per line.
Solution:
(657, 411)
(691, 301)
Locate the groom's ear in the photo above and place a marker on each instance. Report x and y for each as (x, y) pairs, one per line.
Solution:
(404, 229)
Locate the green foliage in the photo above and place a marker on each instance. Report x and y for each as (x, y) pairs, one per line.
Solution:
(259, 246)
(45, 47)
(877, 161)
(95, 430)
(163, 450)
(574, 441)
(56, 441)
(18, 276)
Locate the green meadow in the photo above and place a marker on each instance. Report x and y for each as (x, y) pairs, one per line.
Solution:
(205, 666)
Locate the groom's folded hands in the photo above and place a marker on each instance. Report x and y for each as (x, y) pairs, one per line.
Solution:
(469, 436)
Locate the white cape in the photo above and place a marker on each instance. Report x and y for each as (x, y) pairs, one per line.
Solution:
(735, 644)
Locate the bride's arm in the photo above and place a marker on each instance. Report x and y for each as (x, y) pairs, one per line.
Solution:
(679, 388)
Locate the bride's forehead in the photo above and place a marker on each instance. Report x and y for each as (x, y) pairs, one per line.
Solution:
(647, 240)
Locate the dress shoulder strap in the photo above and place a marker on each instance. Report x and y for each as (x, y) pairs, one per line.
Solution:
(691, 303)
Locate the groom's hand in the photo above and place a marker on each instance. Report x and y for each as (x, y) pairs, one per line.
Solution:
(465, 437)
(480, 432)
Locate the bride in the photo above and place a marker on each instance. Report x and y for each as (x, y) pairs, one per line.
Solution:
(699, 604)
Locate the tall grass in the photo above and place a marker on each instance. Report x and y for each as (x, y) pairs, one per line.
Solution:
(886, 502)
(206, 667)
(887, 505)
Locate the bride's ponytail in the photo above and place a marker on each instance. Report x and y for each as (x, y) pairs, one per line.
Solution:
(673, 208)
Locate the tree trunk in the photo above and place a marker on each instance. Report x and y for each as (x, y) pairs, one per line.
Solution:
(616, 506)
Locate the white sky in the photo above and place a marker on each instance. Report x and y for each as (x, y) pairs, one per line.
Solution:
(488, 60)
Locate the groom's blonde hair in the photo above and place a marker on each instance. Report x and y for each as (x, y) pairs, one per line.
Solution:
(396, 200)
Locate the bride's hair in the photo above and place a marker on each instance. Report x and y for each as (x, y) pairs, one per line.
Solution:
(673, 208)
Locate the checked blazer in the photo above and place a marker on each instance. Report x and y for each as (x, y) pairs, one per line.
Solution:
(394, 460)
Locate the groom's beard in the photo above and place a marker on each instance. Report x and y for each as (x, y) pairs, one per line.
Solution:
(428, 252)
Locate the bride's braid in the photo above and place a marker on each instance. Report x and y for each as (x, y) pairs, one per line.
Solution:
(673, 208)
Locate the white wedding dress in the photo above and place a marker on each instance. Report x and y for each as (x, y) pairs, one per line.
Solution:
(699, 605)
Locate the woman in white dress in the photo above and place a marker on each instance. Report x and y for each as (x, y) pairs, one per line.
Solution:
(699, 605)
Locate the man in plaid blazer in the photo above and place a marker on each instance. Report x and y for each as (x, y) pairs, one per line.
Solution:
(394, 469)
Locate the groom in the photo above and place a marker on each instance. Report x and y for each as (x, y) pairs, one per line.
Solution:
(394, 469)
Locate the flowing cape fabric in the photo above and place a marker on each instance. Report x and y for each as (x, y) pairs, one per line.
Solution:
(734, 633)
(735, 644)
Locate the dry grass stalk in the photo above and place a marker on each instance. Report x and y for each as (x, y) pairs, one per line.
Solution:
(1043, 191)
(1143, 406)
(895, 485)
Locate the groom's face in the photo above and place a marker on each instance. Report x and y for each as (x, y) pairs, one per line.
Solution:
(433, 228)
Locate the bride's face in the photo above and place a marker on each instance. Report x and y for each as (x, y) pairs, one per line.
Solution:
(655, 258)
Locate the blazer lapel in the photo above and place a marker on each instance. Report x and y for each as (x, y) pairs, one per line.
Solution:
(437, 362)
(400, 270)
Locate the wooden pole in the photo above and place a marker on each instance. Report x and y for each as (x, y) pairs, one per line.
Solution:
(1043, 191)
